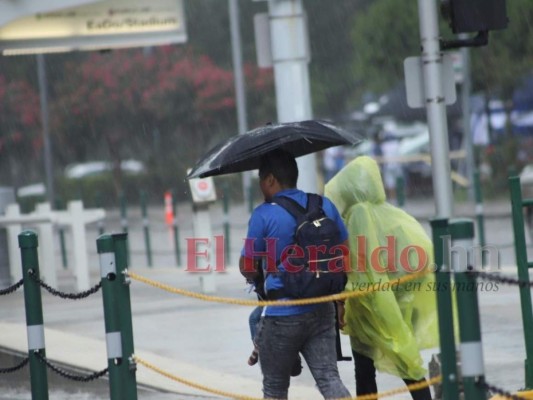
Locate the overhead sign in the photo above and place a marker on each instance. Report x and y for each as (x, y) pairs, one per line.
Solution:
(103, 25)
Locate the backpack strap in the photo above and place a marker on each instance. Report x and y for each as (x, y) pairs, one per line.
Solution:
(314, 206)
(312, 211)
(292, 207)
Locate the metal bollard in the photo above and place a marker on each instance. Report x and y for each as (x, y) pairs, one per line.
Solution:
(61, 231)
(479, 213)
(440, 236)
(100, 204)
(517, 204)
(472, 365)
(34, 315)
(108, 274)
(146, 228)
(251, 199)
(128, 367)
(227, 240)
(400, 190)
(124, 215)
(112, 250)
(176, 230)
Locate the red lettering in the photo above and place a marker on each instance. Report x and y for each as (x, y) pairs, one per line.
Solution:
(314, 256)
(269, 254)
(341, 259)
(219, 254)
(292, 252)
(193, 254)
(421, 255)
(390, 250)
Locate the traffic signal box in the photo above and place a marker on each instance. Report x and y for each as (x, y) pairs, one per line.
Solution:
(475, 15)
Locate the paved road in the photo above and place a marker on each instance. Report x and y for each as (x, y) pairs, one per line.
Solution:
(215, 337)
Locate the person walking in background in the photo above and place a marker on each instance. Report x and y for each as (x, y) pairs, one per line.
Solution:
(286, 331)
(333, 161)
(391, 168)
(387, 328)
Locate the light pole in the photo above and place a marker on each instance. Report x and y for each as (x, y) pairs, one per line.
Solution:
(240, 85)
(290, 55)
(43, 95)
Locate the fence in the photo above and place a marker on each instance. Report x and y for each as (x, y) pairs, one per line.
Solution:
(122, 362)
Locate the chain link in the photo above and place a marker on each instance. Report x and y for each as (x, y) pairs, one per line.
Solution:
(20, 365)
(501, 392)
(68, 375)
(63, 295)
(11, 288)
(501, 279)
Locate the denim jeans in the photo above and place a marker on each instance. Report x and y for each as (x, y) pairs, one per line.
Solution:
(312, 334)
(253, 320)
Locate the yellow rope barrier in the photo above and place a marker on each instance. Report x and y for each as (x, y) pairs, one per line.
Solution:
(392, 392)
(228, 300)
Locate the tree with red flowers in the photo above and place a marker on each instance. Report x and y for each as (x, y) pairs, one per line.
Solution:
(20, 142)
(165, 106)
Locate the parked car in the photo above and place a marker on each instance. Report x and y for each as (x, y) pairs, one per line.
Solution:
(92, 168)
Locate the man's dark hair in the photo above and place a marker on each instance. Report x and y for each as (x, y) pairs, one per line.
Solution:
(281, 165)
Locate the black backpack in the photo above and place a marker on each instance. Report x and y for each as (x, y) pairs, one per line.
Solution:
(312, 276)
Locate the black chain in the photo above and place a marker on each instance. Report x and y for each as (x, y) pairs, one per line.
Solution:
(68, 375)
(12, 288)
(63, 295)
(502, 392)
(501, 279)
(20, 365)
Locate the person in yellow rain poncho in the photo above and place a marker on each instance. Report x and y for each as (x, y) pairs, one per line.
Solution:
(389, 325)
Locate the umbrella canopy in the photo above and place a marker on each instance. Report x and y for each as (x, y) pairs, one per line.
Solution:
(243, 152)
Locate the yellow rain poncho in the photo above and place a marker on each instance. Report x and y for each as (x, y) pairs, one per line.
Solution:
(392, 323)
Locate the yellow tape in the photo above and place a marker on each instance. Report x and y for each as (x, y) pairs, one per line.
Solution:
(228, 300)
(392, 392)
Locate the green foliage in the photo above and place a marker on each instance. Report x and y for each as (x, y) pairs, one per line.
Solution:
(387, 32)
(332, 76)
(383, 36)
(498, 67)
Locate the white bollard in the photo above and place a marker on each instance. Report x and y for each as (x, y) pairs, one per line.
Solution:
(79, 244)
(202, 229)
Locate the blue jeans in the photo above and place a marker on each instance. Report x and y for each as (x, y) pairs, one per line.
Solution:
(253, 320)
(280, 339)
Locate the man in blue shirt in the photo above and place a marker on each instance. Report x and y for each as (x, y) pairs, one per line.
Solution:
(286, 331)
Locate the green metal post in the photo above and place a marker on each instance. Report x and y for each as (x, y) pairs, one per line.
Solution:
(128, 368)
(176, 230)
(450, 385)
(34, 315)
(227, 240)
(472, 365)
(400, 191)
(61, 231)
(523, 274)
(146, 228)
(100, 204)
(250, 199)
(479, 213)
(124, 215)
(110, 283)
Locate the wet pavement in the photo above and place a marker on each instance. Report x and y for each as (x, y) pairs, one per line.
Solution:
(210, 342)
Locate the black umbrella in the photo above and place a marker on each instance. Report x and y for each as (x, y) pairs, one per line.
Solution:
(243, 152)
